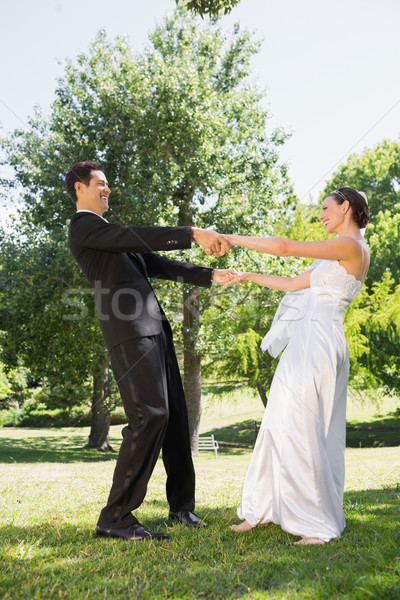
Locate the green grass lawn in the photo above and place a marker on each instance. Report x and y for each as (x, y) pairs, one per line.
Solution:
(235, 420)
(51, 491)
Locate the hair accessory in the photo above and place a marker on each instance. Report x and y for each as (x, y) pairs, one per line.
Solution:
(340, 194)
(363, 194)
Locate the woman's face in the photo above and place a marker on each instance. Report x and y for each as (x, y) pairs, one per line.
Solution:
(332, 214)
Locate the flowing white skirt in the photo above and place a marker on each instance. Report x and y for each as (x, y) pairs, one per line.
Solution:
(296, 474)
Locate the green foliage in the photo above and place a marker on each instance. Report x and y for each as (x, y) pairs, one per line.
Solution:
(234, 325)
(5, 385)
(372, 321)
(237, 318)
(37, 320)
(383, 238)
(372, 327)
(63, 396)
(213, 8)
(31, 415)
(356, 318)
(376, 171)
(13, 386)
(384, 331)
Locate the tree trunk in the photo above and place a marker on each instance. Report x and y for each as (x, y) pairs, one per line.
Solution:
(100, 423)
(192, 362)
(262, 394)
(191, 328)
(262, 383)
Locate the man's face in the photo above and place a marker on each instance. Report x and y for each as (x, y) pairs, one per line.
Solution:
(95, 195)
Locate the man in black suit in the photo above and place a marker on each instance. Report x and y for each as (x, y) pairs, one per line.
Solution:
(117, 262)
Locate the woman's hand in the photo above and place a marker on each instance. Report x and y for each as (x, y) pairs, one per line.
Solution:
(237, 278)
(225, 277)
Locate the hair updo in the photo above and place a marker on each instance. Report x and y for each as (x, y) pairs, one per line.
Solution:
(359, 206)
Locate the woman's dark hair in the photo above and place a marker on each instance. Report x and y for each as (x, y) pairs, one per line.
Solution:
(359, 206)
(81, 171)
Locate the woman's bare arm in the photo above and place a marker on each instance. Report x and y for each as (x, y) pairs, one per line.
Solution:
(275, 282)
(339, 248)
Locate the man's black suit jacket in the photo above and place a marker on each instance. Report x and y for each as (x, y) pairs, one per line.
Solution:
(118, 261)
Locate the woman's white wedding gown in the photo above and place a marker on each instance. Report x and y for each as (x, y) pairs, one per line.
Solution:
(296, 474)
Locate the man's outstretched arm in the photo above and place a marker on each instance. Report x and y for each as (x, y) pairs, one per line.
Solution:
(166, 268)
(91, 231)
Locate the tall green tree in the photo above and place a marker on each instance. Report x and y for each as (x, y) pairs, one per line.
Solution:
(183, 135)
(217, 159)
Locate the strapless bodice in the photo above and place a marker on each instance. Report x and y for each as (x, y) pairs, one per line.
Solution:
(331, 291)
(332, 277)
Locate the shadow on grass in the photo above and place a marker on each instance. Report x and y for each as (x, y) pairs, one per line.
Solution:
(234, 440)
(377, 433)
(237, 438)
(382, 430)
(389, 419)
(60, 449)
(68, 561)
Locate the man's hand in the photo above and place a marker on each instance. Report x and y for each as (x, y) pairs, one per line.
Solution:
(225, 276)
(211, 242)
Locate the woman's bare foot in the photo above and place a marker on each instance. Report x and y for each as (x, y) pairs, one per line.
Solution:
(244, 526)
(309, 541)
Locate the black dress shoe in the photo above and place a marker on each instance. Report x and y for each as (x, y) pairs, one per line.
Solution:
(133, 532)
(188, 518)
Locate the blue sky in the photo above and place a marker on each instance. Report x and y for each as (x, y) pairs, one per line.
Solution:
(330, 69)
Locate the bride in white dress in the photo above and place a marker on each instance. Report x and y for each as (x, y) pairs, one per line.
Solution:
(296, 474)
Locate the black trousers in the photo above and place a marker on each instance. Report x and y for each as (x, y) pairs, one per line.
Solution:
(149, 381)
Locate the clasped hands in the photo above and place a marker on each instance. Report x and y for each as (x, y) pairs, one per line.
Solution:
(218, 245)
(211, 241)
(227, 277)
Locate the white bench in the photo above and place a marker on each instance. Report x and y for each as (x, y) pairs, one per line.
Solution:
(208, 443)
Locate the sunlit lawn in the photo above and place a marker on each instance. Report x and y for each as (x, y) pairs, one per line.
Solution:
(51, 491)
